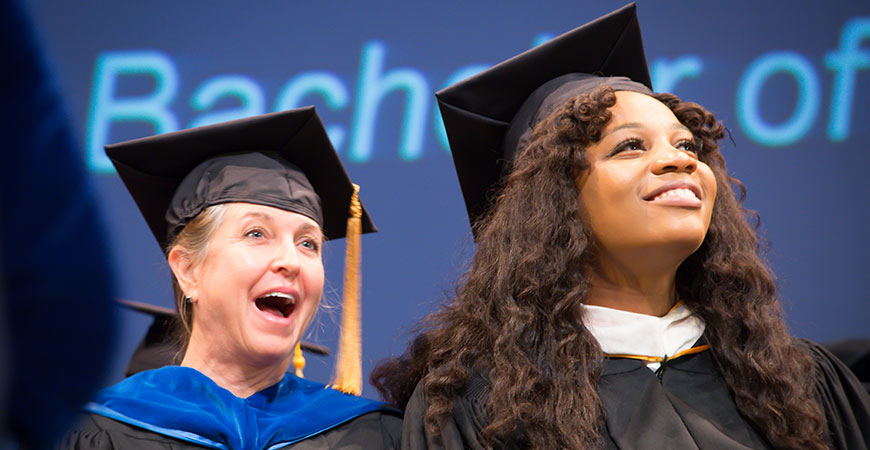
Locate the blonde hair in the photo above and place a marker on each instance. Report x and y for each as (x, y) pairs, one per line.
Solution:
(193, 242)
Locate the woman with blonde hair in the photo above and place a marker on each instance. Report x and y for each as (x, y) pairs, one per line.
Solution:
(242, 210)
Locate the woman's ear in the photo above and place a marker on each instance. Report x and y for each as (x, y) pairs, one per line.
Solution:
(183, 269)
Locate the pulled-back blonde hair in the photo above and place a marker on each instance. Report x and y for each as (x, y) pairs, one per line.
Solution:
(192, 241)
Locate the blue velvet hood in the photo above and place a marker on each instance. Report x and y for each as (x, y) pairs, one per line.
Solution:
(182, 403)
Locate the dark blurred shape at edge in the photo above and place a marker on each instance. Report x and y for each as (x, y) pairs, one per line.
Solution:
(56, 276)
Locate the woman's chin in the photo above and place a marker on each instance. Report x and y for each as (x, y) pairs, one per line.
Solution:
(684, 238)
(271, 338)
(661, 252)
(269, 349)
(681, 247)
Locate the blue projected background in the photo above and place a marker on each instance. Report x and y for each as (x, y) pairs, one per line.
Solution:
(792, 84)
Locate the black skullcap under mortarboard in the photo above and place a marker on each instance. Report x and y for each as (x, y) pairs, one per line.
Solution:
(490, 114)
(158, 348)
(282, 159)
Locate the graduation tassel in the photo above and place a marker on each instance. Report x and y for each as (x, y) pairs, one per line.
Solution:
(348, 363)
(298, 360)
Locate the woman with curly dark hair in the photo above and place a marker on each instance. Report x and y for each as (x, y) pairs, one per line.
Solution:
(617, 297)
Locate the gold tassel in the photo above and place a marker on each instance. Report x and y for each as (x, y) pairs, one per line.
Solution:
(298, 361)
(348, 363)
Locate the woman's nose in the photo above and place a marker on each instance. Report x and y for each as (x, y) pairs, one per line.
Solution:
(286, 260)
(670, 159)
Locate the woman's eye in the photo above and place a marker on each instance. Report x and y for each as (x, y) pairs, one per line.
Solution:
(310, 244)
(628, 145)
(255, 233)
(688, 146)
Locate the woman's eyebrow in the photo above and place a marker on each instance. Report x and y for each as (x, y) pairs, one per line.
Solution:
(681, 127)
(257, 215)
(621, 127)
(676, 126)
(304, 228)
(310, 227)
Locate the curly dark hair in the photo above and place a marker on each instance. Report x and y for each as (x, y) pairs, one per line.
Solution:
(517, 311)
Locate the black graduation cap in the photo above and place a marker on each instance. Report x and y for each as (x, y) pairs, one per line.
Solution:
(487, 115)
(158, 348)
(282, 159)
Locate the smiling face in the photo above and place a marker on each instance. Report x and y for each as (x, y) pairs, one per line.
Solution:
(258, 286)
(645, 191)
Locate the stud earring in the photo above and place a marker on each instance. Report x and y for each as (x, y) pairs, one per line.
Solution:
(188, 300)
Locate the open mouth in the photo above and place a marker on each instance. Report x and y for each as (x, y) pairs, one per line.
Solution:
(276, 303)
(681, 193)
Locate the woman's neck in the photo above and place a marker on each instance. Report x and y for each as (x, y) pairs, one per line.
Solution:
(652, 293)
(242, 378)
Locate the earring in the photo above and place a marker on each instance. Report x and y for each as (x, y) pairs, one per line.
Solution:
(188, 300)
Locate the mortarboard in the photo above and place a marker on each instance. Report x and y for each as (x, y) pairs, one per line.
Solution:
(283, 160)
(488, 115)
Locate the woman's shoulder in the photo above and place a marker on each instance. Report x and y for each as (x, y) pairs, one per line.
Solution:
(462, 427)
(97, 432)
(470, 401)
(843, 397)
(830, 370)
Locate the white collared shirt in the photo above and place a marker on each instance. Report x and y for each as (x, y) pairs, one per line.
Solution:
(626, 333)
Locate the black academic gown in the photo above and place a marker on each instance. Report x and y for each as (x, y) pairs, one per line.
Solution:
(685, 405)
(179, 408)
(375, 430)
